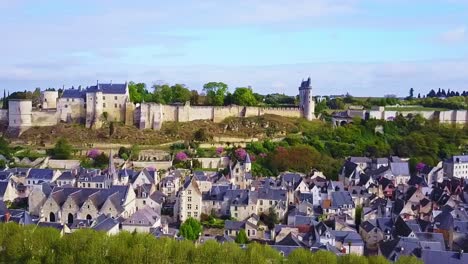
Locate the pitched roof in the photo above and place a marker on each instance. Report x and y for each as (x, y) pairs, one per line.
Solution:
(74, 93)
(41, 174)
(446, 257)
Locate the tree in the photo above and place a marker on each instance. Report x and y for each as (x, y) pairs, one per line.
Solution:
(191, 229)
(244, 96)
(270, 219)
(408, 260)
(215, 92)
(162, 93)
(194, 97)
(358, 216)
(136, 91)
(241, 237)
(201, 135)
(62, 149)
(180, 94)
(411, 93)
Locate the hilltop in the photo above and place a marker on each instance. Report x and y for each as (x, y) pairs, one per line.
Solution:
(260, 127)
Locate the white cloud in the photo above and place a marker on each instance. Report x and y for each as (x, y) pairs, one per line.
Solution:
(454, 36)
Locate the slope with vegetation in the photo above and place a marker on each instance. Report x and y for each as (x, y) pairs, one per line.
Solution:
(32, 244)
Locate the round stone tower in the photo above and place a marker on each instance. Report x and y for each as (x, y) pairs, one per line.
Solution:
(306, 100)
(19, 115)
(49, 99)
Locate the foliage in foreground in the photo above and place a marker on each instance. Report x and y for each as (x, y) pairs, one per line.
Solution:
(45, 245)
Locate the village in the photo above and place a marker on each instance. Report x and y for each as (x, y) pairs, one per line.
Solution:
(376, 207)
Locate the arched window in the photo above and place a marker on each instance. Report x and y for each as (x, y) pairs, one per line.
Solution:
(52, 217)
(89, 217)
(70, 218)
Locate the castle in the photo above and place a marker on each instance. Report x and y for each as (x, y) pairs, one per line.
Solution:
(99, 103)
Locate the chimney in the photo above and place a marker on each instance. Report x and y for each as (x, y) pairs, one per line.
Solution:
(7, 217)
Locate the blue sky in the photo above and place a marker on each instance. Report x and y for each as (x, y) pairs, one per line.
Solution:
(364, 47)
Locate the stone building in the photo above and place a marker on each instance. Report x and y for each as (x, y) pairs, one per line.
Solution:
(111, 102)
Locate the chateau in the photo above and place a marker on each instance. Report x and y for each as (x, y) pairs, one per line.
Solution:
(96, 104)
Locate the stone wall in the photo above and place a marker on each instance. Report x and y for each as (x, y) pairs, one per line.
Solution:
(3, 115)
(63, 164)
(44, 118)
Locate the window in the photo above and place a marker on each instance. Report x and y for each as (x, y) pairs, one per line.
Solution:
(103, 98)
(189, 199)
(196, 207)
(66, 106)
(195, 214)
(104, 105)
(115, 105)
(144, 202)
(235, 208)
(189, 192)
(189, 214)
(261, 202)
(73, 99)
(189, 206)
(68, 99)
(115, 97)
(271, 202)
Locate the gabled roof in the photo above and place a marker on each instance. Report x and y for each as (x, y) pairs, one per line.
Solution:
(143, 217)
(401, 228)
(349, 168)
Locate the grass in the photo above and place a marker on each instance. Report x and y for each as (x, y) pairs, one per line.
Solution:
(415, 108)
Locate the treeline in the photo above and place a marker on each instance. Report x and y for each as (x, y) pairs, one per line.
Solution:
(214, 93)
(318, 145)
(45, 245)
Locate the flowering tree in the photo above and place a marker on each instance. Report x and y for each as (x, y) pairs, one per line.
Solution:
(181, 156)
(420, 166)
(240, 153)
(219, 150)
(93, 153)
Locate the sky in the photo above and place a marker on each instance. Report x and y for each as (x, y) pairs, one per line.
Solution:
(361, 47)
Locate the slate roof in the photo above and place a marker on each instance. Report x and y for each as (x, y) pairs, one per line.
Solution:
(74, 93)
(234, 225)
(446, 257)
(349, 168)
(360, 159)
(444, 220)
(41, 174)
(401, 228)
(272, 194)
(216, 193)
(3, 188)
(108, 88)
(341, 198)
(460, 158)
(391, 249)
(400, 168)
(143, 217)
(66, 175)
(367, 226)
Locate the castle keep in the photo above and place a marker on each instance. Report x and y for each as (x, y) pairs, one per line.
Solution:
(111, 102)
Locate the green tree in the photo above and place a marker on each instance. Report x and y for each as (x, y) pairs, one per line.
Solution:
(137, 91)
(180, 93)
(241, 237)
(215, 92)
(244, 96)
(378, 260)
(300, 256)
(62, 149)
(162, 94)
(191, 229)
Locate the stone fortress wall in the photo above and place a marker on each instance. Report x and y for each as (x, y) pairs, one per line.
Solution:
(88, 106)
(152, 115)
(459, 117)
